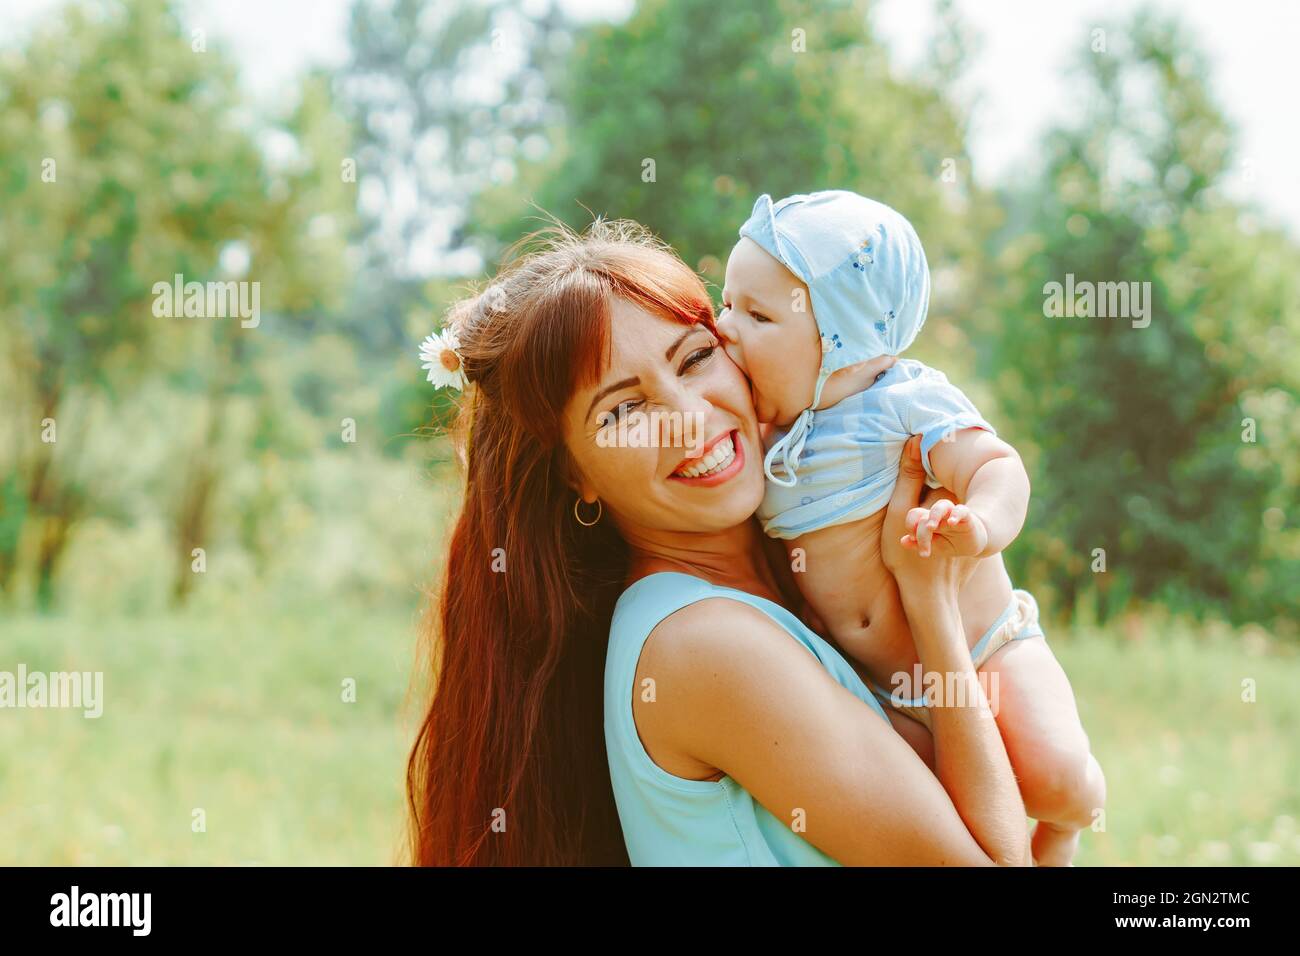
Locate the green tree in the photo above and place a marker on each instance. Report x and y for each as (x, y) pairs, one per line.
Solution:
(124, 161)
(444, 100)
(682, 115)
(1138, 437)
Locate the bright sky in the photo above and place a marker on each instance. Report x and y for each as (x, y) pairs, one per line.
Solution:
(1254, 46)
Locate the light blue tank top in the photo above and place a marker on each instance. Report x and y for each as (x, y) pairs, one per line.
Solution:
(672, 821)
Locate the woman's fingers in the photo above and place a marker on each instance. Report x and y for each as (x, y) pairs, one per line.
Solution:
(906, 497)
(910, 467)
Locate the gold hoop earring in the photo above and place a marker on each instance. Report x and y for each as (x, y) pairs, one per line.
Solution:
(600, 509)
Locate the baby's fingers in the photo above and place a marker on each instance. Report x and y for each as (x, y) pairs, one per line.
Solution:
(939, 512)
(960, 516)
(916, 516)
(924, 532)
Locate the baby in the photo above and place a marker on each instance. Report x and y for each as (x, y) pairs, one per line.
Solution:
(823, 293)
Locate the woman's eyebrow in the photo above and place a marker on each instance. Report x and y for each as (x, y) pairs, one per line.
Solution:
(635, 380)
(672, 349)
(625, 383)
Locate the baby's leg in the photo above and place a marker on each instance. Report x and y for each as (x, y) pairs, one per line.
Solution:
(917, 736)
(1060, 781)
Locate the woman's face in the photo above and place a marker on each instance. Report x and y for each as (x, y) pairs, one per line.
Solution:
(667, 438)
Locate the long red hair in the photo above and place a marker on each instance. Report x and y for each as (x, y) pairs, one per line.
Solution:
(509, 765)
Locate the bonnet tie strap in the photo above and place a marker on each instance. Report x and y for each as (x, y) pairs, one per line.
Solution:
(790, 445)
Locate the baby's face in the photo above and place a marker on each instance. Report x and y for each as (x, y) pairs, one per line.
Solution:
(778, 347)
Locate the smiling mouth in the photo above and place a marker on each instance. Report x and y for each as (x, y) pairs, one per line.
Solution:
(717, 458)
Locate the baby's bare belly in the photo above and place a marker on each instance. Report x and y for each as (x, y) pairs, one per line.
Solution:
(843, 577)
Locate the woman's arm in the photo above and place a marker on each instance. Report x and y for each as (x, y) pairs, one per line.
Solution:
(734, 692)
(970, 757)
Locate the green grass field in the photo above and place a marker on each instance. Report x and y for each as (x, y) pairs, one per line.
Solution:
(244, 718)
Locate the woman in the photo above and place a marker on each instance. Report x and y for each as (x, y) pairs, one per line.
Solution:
(727, 740)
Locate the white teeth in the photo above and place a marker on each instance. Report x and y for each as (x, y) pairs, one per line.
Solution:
(719, 457)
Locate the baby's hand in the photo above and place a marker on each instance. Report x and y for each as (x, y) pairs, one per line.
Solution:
(961, 528)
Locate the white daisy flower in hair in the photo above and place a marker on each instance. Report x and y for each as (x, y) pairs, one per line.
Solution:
(440, 354)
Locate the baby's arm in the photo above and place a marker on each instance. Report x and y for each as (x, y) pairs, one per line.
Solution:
(989, 478)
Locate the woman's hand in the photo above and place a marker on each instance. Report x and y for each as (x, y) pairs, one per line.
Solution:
(970, 758)
(941, 565)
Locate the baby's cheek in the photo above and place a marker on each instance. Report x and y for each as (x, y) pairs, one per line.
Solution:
(764, 408)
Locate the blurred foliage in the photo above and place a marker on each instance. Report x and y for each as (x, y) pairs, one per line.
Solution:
(731, 101)
(442, 97)
(1140, 437)
(130, 157)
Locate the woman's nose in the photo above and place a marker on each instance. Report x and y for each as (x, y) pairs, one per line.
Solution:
(684, 427)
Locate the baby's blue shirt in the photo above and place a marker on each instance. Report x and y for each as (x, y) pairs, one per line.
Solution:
(849, 462)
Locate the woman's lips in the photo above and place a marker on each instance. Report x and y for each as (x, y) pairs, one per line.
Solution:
(708, 447)
(717, 478)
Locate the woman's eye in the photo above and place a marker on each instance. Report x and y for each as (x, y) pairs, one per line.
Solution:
(698, 356)
(622, 408)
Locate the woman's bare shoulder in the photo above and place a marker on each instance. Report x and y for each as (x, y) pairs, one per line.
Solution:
(712, 628)
(705, 657)
(711, 649)
(692, 663)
